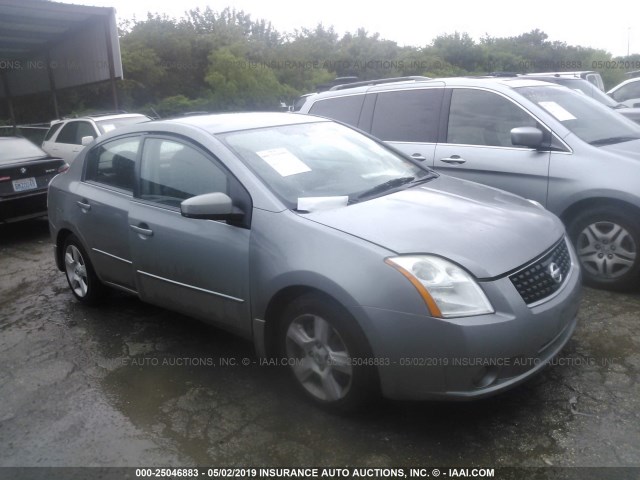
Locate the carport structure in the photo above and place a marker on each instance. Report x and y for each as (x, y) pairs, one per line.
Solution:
(48, 46)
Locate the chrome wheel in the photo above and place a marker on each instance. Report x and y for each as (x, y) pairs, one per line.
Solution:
(319, 357)
(606, 249)
(76, 270)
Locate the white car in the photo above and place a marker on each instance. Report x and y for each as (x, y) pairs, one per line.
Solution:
(67, 137)
(627, 92)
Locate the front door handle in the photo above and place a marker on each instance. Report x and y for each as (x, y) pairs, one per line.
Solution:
(142, 231)
(453, 159)
(83, 205)
(419, 157)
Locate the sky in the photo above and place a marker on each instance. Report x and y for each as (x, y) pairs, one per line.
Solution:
(418, 22)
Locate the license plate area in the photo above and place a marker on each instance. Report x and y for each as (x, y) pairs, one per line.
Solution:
(24, 184)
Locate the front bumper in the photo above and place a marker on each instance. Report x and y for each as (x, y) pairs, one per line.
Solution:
(420, 357)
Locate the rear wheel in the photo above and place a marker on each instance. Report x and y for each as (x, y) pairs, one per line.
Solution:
(327, 353)
(607, 244)
(81, 276)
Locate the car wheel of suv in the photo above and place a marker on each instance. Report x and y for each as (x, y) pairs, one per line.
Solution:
(81, 276)
(607, 244)
(326, 352)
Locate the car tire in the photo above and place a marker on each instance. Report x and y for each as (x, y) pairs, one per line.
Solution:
(326, 353)
(81, 276)
(608, 247)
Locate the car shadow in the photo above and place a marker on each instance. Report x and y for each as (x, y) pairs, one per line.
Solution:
(16, 233)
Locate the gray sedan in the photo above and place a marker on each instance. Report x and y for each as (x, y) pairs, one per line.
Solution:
(360, 270)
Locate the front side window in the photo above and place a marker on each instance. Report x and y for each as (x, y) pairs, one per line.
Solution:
(73, 132)
(172, 171)
(627, 92)
(112, 163)
(407, 116)
(478, 117)
(592, 122)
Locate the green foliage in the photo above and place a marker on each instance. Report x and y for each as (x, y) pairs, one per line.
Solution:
(226, 60)
(238, 84)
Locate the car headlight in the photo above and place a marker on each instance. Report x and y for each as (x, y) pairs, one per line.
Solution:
(447, 289)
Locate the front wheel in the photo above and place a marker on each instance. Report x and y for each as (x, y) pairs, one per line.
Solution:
(81, 277)
(607, 244)
(327, 354)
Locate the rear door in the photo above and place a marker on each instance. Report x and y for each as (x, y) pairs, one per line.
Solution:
(101, 207)
(477, 144)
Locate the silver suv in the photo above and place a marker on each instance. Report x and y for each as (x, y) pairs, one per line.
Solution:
(67, 137)
(579, 159)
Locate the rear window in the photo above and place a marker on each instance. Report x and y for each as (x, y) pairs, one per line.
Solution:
(13, 149)
(344, 109)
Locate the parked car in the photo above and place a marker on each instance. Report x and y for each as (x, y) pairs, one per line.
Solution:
(25, 172)
(66, 138)
(359, 269)
(627, 92)
(542, 141)
(591, 91)
(590, 76)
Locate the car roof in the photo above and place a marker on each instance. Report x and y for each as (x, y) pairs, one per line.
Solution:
(499, 82)
(98, 117)
(229, 122)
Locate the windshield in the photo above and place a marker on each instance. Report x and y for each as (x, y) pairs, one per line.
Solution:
(591, 121)
(107, 125)
(323, 165)
(12, 149)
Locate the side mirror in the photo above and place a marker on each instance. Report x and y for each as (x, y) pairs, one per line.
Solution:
(86, 140)
(210, 206)
(530, 137)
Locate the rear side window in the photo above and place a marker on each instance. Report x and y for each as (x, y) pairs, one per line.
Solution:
(112, 163)
(344, 109)
(52, 130)
(408, 115)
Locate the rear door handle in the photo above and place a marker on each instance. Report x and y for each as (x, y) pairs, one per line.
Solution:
(453, 159)
(83, 205)
(142, 231)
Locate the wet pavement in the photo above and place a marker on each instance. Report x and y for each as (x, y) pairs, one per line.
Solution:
(128, 384)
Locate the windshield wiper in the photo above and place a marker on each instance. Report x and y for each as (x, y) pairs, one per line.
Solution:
(389, 185)
(612, 140)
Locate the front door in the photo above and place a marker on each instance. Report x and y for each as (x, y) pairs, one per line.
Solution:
(478, 145)
(198, 267)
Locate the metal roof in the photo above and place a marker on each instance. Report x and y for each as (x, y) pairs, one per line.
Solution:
(48, 45)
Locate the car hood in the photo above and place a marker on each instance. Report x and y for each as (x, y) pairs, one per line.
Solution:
(626, 149)
(487, 231)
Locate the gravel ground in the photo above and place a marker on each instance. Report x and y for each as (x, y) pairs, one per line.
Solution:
(128, 384)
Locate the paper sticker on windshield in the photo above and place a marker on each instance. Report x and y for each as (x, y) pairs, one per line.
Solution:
(283, 161)
(557, 111)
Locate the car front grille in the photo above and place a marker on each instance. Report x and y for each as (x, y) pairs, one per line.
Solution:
(544, 276)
